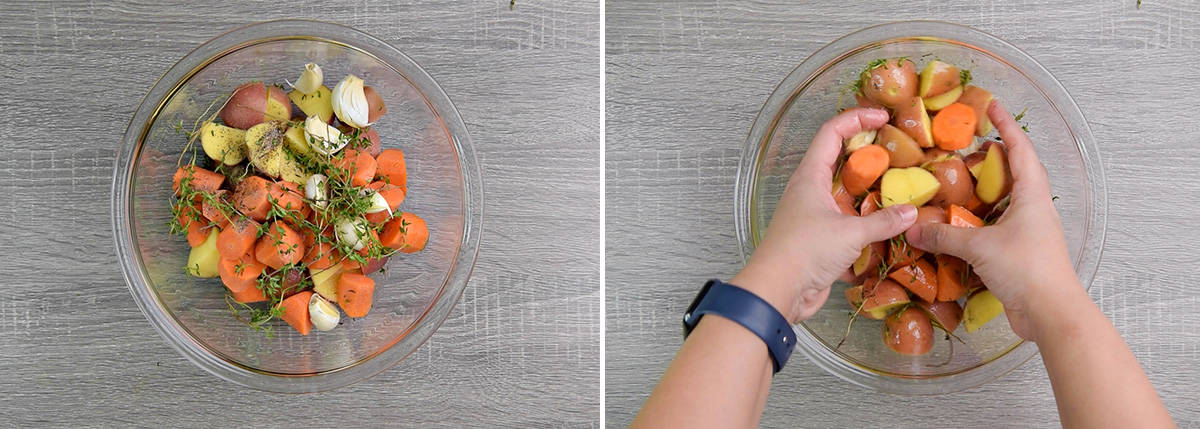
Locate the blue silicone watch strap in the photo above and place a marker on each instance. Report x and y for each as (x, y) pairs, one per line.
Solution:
(748, 310)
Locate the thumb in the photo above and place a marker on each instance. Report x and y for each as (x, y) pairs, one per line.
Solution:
(886, 223)
(943, 238)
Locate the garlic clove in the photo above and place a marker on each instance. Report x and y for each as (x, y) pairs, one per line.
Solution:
(351, 232)
(310, 79)
(350, 102)
(378, 202)
(324, 316)
(315, 190)
(322, 137)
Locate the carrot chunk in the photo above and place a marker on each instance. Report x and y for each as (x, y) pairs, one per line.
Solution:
(954, 126)
(355, 292)
(295, 312)
(863, 168)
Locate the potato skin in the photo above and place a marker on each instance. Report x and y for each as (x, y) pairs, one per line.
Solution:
(891, 83)
(247, 106)
(903, 150)
(908, 332)
(948, 314)
(939, 77)
(910, 116)
(956, 187)
(931, 214)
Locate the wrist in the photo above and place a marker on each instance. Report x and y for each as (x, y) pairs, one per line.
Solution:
(1058, 308)
(772, 287)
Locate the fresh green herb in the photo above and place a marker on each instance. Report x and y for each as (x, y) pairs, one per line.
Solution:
(1021, 115)
(965, 76)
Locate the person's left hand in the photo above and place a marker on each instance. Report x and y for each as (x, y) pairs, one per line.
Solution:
(809, 243)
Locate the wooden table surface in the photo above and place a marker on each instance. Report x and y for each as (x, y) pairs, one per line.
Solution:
(522, 347)
(685, 80)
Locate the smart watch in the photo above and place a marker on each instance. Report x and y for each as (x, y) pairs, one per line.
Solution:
(748, 310)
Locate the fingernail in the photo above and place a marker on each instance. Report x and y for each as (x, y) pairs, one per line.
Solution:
(908, 213)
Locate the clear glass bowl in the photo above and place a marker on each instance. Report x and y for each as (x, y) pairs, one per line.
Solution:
(809, 96)
(412, 297)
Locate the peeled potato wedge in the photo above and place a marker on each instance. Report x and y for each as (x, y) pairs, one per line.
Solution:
(981, 308)
(317, 104)
(994, 178)
(203, 260)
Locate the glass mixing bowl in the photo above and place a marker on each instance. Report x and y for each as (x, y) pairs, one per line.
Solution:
(412, 297)
(809, 96)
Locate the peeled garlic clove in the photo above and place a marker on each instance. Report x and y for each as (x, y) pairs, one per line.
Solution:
(322, 314)
(315, 191)
(310, 79)
(350, 102)
(351, 232)
(322, 137)
(378, 202)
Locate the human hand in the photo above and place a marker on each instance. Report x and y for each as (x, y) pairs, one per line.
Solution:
(1023, 257)
(809, 243)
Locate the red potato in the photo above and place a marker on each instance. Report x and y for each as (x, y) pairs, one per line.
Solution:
(908, 332)
(972, 160)
(931, 214)
(863, 101)
(903, 151)
(870, 259)
(375, 106)
(870, 204)
(843, 199)
(891, 82)
(934, 154)
(937, 78)
(911, 117)
(920, 278)
(372, 136)
(944, 314)
(880, 297)
(374, 265)
(253, 103)
(956, 185)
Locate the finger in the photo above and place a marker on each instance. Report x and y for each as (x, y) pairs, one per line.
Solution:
(827, 144)
(847, 276)
(943, 238)
(1027, 171)
(884, 224)
(813, 300)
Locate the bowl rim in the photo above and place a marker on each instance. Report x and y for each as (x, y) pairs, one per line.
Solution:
(1086, 264)
(177, 335)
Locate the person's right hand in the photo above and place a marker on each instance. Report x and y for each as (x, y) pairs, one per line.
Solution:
(1023, 257)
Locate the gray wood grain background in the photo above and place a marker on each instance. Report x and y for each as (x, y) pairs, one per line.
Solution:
(684, 81)
(521, 349)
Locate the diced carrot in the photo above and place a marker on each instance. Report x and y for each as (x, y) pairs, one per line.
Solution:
(202, 180)
(373, 137)
(250, 197)
(239, 274)
(295, 312)
(289, 197)
(213, 212)
(406, 233)
(863, 168)
(281, 245)
(951, 274)
(901, 254)
(355, 293)
(237, 238)
(962, 217)
(870, 204)
(920, 278)
(392, 167)
(843, 199)
(358, 165)
(197, 233)
(321, 255)
(954, 126)
(249, 295)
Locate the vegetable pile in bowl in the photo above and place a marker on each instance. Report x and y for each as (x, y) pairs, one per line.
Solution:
(931, 156)
(942, 162)
(294, 208)
(244, 139)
